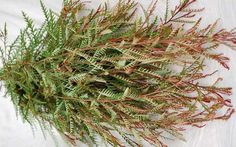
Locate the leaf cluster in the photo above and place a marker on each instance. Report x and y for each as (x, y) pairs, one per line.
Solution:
(110, 71)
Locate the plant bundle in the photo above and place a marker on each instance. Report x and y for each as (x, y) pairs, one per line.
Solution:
(110, 73)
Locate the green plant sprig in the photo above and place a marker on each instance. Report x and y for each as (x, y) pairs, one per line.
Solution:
(109, 71)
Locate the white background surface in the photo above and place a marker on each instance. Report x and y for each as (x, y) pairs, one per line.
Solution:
(216, 134)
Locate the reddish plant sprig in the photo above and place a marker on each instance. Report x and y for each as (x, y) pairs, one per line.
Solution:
(107, 72)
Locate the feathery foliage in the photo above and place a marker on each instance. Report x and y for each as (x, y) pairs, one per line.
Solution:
(111, 71)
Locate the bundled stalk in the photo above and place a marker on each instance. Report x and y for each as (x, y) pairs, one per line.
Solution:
(110, 73)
